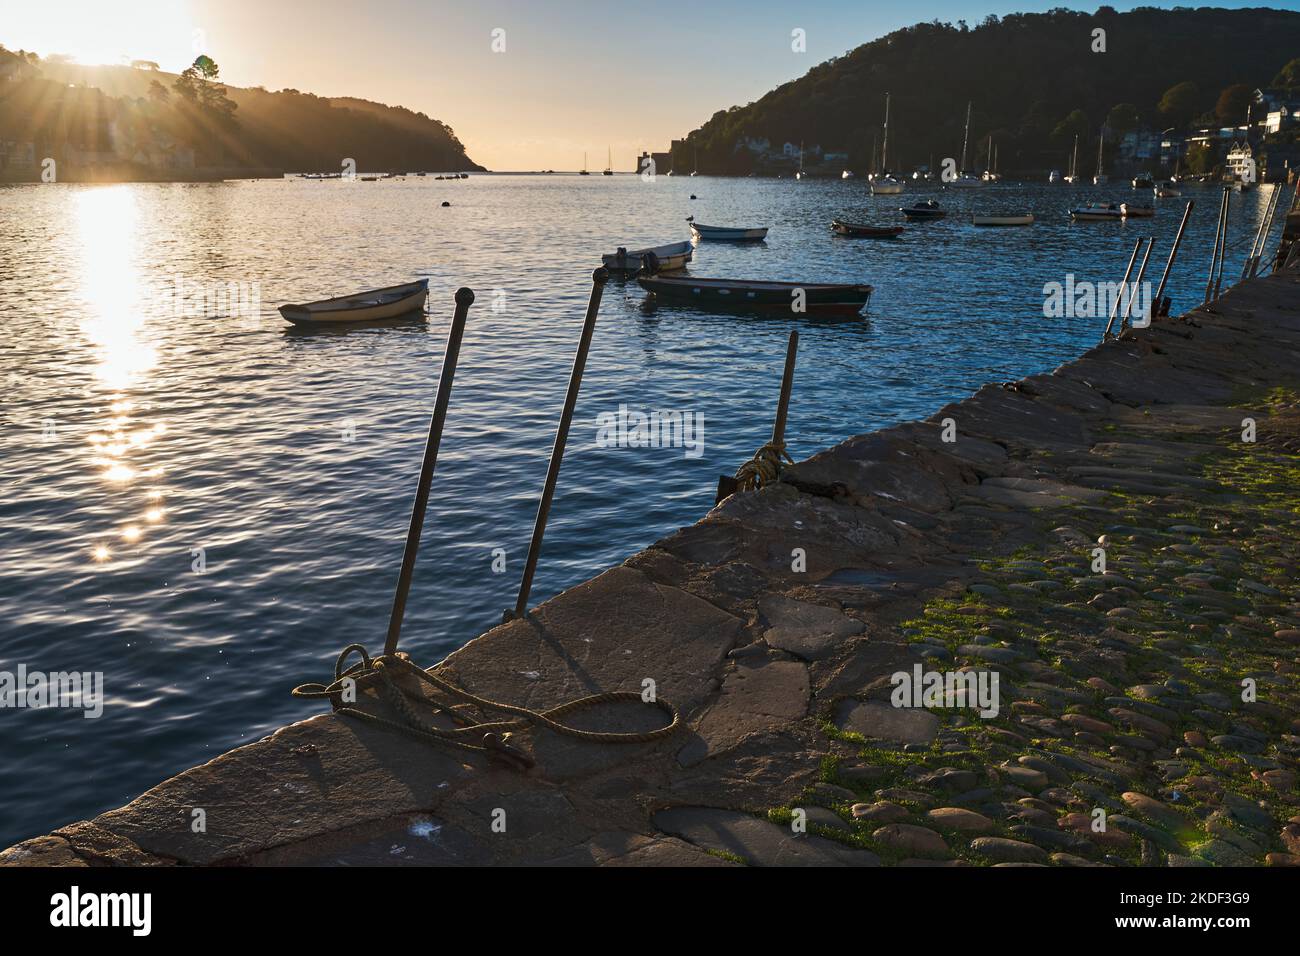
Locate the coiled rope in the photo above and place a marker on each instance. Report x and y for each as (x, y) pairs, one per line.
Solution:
(764, 468)
(491, 737)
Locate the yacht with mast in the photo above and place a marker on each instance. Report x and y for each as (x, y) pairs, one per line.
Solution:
(1073, 176)
(964, 179)
(885, 184)
(1101, 178)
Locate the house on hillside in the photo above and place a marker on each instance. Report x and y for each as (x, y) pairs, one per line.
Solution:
(1140, 145)
(17, 157)
(1285, 116)
(1240, 161)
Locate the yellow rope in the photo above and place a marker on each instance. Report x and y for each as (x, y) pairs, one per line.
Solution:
(764, 468)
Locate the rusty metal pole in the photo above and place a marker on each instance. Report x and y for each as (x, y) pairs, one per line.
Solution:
(1227, 208)
(728, 484)
(464, 298)
(1137, 284)
(598, 280)
(1106, 336)
(787, 383)
(1214, 253)
(1158, 302)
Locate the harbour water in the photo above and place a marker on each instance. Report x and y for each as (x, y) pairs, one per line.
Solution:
(204, 505)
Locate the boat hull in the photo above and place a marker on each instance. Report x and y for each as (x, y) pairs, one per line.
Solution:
(388, 303)
(727, 234)
(759, 296)
(856, 230)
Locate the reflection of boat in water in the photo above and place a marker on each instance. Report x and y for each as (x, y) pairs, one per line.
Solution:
(825, 298)
(387, 303)
(1022, 219)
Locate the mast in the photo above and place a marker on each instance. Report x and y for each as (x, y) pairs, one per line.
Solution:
(1074, 158)
(965, 140)
(1101, 141)
(884, 148)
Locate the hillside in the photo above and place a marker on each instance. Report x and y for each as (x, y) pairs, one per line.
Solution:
(139, 117)
(1026, 75)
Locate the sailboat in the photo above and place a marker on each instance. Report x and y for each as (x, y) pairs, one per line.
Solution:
(801, 174)
(991, 155)
(1101, 178)
(609, 165)
(695, 170)
(964, 179)
(885, 184)
(583, 170)
(1074, 163)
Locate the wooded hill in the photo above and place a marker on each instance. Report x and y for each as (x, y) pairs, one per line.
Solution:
(1027, 75)
(136, 111)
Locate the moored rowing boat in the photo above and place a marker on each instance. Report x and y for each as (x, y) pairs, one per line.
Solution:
(815, 298)
(388, 303)
(667, 258)
(860, 230)
(729, 233)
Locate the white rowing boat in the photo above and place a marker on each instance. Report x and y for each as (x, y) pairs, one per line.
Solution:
(667, 258)
(1027, 219)
(389, 303)
(728, 233)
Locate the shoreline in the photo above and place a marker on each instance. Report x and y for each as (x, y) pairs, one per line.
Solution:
(918, 551)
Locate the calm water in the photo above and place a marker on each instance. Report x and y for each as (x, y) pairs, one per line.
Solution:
(133, 436)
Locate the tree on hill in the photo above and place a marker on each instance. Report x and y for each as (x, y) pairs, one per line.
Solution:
(1234, 101)
(1289, 76)
(1123, 118)
(201, 84)
(1179, 104)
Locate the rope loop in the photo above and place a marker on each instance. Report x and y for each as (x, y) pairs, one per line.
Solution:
(486, 736)
(764, 468)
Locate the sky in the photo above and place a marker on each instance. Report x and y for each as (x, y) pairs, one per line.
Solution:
(526, 84)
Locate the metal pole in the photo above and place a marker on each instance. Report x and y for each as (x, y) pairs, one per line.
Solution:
(464, 298)
(1158, 302)
(1105, 336)
(598, 280)
(1137, 284)
(1259, 230)
(1223, 246)
(787, 382)
(1214, 253)
(1268, 228)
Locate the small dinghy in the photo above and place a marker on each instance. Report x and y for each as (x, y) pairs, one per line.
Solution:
(818, 298)
(859, 230)
(667, 258)
(1134, 211)
(389, 303)
(930, 209)
(728, 233)
(1097, 211)
(1023, 219)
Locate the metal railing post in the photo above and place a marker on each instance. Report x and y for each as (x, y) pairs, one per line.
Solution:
(1173, 254)
(464, 298)
(598, 280)
(1137, 284)
(1114, 311)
